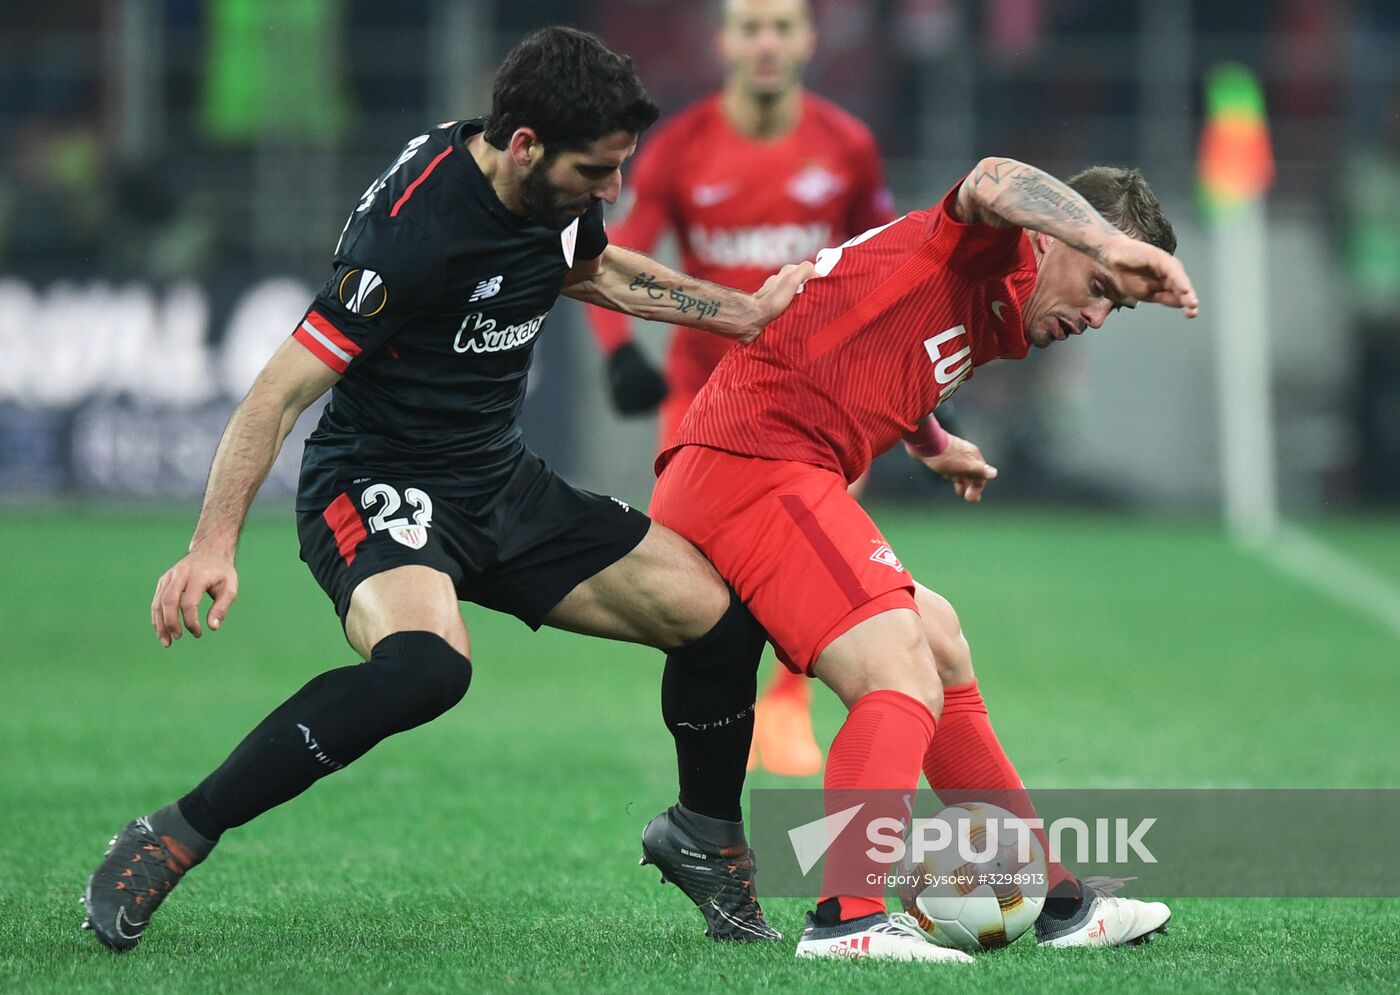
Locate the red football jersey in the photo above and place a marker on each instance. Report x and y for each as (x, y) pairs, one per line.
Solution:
(741, 209)
(892, 328)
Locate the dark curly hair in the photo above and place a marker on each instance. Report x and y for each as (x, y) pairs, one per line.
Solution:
(568, 87)
(1123, 197)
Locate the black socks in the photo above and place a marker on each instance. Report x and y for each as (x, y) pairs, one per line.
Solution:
(409, 679)
(708, 691)
(1064, 900)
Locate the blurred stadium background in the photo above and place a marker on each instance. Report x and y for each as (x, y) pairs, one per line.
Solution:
(173, 177)
(174, 174)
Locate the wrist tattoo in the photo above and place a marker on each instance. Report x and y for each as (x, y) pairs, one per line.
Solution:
(685, 304)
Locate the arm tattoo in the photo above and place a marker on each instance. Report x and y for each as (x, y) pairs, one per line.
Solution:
(683, 302)
(703, 309)
(647, 283)
(1029, 198)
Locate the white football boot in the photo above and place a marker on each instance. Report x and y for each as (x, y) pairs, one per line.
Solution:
(1104, 920)
(890, 937)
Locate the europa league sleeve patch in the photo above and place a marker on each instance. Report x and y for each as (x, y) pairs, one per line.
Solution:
(362, 292)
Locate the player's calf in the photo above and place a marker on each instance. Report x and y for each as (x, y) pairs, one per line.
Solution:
(337, 717)
(944, 636)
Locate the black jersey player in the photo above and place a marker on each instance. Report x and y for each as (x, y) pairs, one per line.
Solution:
(417, 490)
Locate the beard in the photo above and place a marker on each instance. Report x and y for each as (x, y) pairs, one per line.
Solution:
(544, 203)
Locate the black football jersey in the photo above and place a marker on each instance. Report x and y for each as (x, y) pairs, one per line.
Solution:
(431, 317)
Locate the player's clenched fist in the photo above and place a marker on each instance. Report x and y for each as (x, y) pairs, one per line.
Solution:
(961, 462)
(777, 293)
(183, 586)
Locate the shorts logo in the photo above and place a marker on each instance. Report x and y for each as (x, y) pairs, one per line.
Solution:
(886, 556)
(622, 504)
(362, 292)
(412, 536)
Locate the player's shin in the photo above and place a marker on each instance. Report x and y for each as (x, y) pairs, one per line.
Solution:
(707, 701)
(409, 679)
(966, 762)
(707, 696)
(874, 762)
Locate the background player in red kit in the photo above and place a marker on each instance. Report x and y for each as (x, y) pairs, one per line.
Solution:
(760, 174)
(756, 477)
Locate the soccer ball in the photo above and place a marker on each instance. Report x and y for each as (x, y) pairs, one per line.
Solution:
(979, 905)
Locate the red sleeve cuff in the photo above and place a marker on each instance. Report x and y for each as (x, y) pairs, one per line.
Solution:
(326, 342)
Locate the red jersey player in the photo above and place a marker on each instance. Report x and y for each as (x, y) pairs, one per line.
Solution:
(895, 321)
(760, 174)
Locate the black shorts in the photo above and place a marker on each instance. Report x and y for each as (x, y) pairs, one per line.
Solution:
(519, 552)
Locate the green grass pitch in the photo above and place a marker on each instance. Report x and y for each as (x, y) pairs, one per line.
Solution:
(496, 848)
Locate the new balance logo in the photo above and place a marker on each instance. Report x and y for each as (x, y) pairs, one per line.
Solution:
(485, 289)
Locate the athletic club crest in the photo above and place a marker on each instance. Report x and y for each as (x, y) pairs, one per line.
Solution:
(412, 536)
(567, 239)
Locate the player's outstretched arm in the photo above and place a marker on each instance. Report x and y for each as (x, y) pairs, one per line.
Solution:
(287, 385)
(1008, 193)
(630, 282)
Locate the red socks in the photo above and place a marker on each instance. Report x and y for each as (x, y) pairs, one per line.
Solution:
(966, 761)
(878, 747)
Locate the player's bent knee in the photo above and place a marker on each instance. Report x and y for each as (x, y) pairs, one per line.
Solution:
(687, 596)
(887, 653)
(914, 675)
(913, 672)
(421, 677)
(944, 635)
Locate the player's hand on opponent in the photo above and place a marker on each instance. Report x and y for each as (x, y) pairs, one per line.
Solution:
(776, 294)
(182, 587)
(1145, 273)
(961, 462)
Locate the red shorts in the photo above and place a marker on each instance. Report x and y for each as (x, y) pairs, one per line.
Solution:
(796, 546)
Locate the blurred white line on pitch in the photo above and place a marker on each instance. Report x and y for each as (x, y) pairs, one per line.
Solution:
(1349, 583)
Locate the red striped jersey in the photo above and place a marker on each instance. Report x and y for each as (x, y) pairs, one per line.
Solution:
(431, 317)
(895, 323)
(741, 208)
